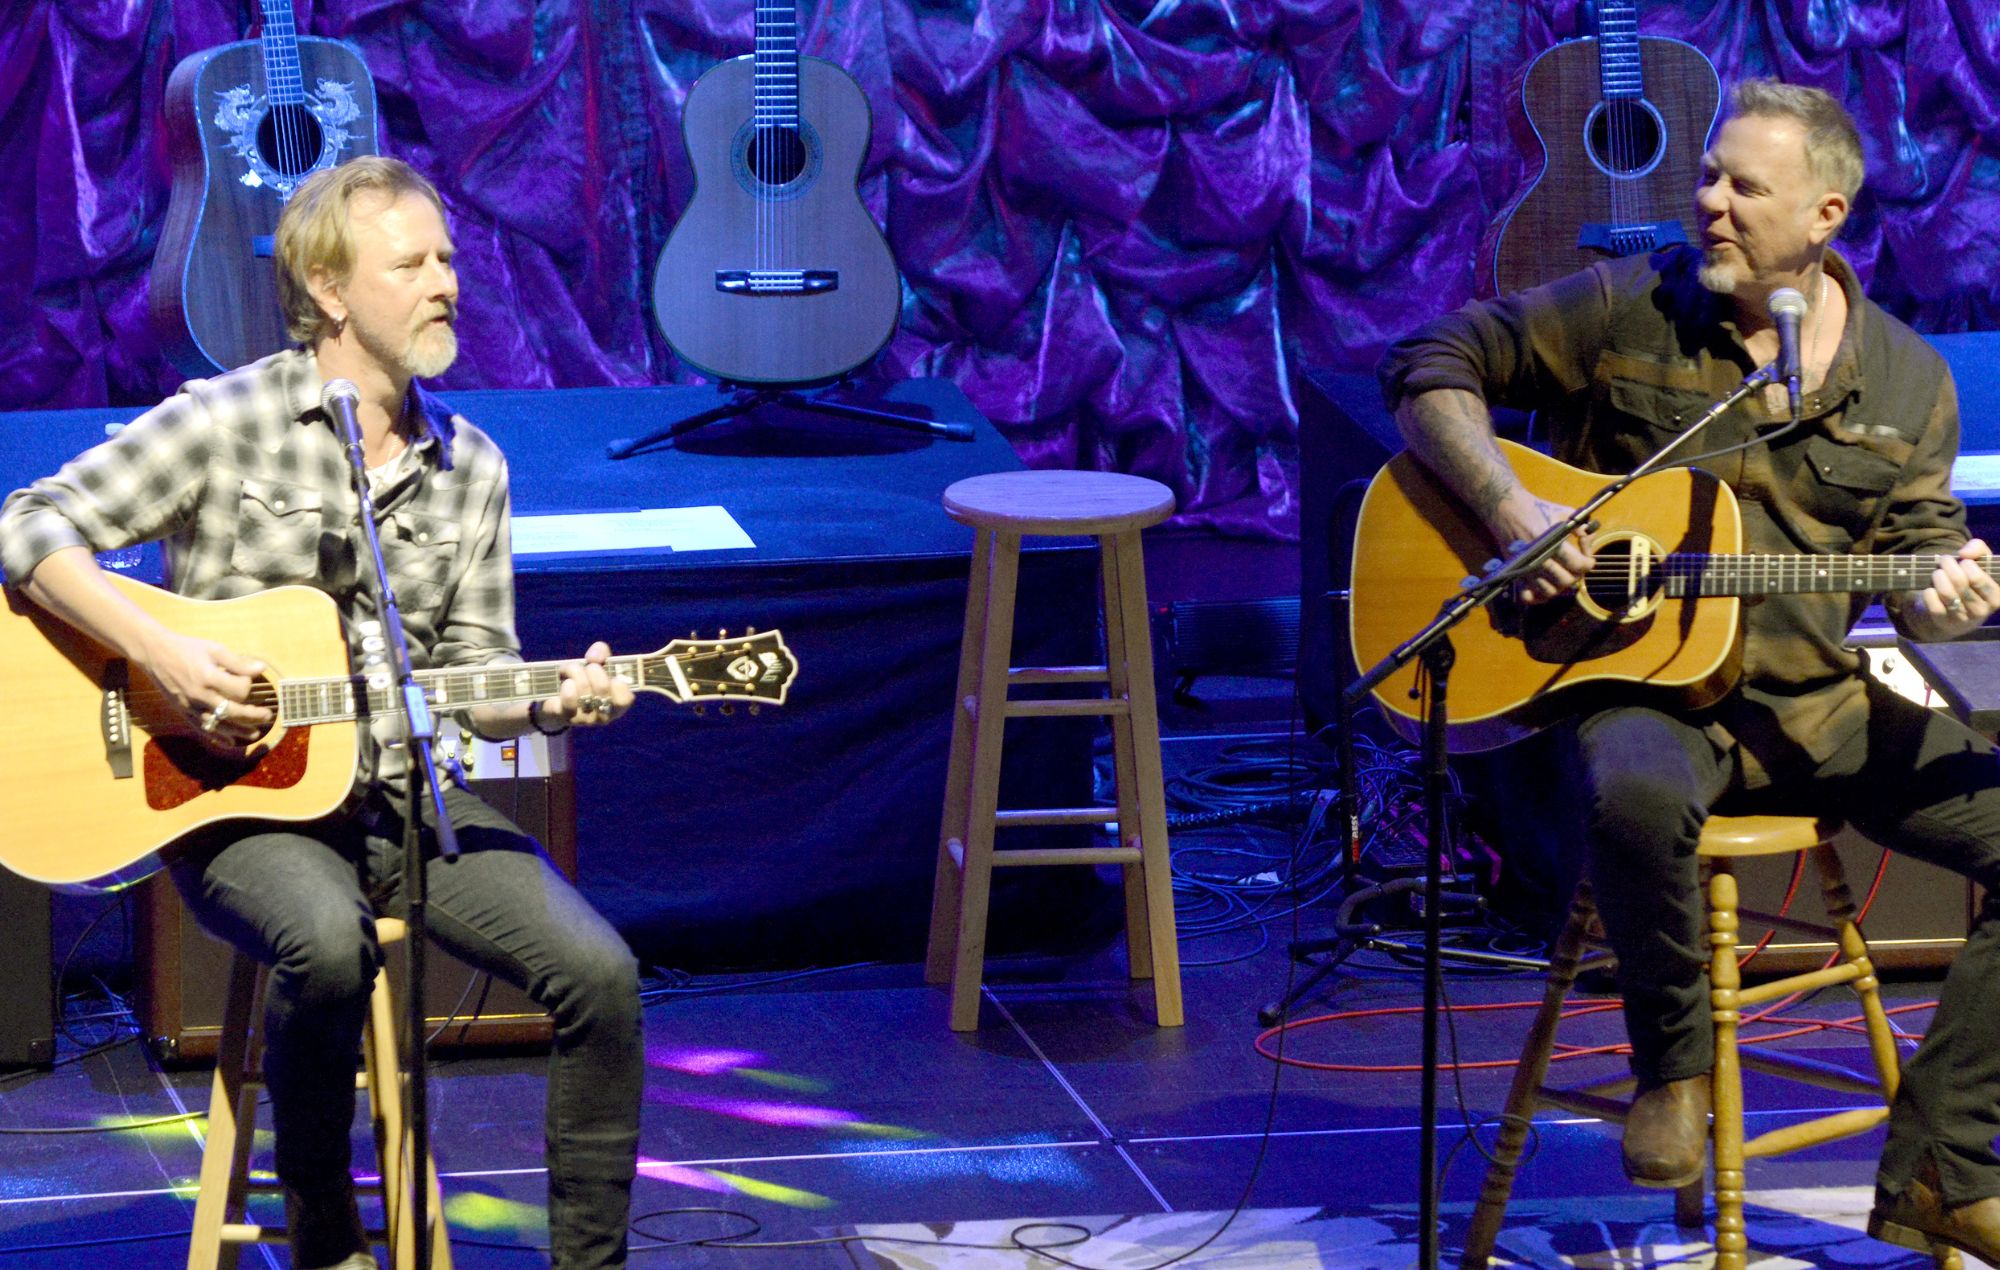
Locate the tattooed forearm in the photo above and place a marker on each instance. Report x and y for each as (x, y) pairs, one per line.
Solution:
(1452, 432)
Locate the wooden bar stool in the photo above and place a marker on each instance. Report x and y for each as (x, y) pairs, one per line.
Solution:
(1001, 508)
(221, 1225)
(1723, 840)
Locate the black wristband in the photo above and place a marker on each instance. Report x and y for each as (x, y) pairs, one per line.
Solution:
(535, 720)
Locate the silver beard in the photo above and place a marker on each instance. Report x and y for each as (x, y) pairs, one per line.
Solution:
(431, 352)
(1719, 278)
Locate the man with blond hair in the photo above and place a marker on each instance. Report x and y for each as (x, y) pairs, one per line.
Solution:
(245, 481)
(1619, 360)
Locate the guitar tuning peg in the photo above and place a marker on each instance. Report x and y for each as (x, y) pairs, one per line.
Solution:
(702, 710)
(722, 634)
(749, 631)
(756, 709)
(725, 709)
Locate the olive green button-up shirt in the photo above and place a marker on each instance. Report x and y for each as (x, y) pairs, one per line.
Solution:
(1619, 359)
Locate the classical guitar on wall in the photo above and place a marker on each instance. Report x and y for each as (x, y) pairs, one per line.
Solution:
(775, 273)
(1658, 615)
(247, 122)
(1621, 121)
(109, 774)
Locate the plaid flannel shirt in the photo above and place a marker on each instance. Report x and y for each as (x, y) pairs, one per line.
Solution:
(246, 485)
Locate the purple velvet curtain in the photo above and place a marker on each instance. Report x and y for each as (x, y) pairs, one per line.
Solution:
(1123, 226)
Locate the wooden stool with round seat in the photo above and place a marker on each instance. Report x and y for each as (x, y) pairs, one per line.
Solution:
(1002, 508)
(221, 1225)
(1724, 840)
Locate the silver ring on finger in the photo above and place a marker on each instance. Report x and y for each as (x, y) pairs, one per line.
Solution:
(594, 704)
(1955, 607)
(213, 719)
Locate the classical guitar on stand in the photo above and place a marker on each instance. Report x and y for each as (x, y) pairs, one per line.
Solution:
(775, 272)
(247, 122)
(1621, 121)
(1658, 614)
(107, 773)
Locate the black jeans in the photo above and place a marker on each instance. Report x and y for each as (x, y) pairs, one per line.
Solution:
(1914, 780)
(303, 898)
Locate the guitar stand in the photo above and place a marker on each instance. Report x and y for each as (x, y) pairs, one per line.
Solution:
(1350, 937)
(744, 398)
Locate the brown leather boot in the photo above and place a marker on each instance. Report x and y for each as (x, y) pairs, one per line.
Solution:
(1918, 1218)
(1666, 1134)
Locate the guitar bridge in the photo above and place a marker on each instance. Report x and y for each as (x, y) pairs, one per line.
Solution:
(1630, 240)
(777, 281)
(114, 721)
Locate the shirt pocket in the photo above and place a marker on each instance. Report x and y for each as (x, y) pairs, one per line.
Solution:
(422, 554)
(278, 531)
(1844, 486)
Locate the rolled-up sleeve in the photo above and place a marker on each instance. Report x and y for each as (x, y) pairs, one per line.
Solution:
(135, 487)
(1520, 351)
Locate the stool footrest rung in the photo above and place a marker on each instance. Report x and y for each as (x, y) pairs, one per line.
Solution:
(1066, 709)
(1778, 921)
(1054, 816)
(1810, 1071)
(1811, 981)
(245, 1233)
(1067, 855)
(1058, 675)
(1810, 1133)
(1584, 1104)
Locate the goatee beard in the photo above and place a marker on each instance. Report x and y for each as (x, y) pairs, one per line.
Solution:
(1719, 278)
(431, 353)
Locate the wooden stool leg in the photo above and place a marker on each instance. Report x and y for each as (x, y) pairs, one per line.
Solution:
(1854, 951)
(1529, 1076)
(945, 894)
(383, 1073)
(232, 1122)
(1731, 1241)
(989, 730)
(1125, 777)
(1132, 661)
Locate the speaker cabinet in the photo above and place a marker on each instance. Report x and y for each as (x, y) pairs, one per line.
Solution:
(183, 972)
(27, 988)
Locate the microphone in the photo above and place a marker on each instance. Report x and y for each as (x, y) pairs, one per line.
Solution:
(340, 398)
(1788, 309)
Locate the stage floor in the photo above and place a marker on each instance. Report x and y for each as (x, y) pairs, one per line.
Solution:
(839, 1102)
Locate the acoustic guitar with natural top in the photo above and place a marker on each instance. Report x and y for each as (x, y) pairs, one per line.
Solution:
(775, 273)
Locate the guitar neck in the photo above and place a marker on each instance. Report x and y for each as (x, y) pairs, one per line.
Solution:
(1618, 69)
(1688, 576)
(776, 61)
(302, 702)
(281, 55)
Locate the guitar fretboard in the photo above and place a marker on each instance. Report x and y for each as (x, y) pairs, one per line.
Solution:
(303, 702)
(1618, 51)
(1693, 575)
(776, 75)
(281, 55)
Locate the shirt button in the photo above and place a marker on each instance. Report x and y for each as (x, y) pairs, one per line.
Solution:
(279, 505)
(423, 537)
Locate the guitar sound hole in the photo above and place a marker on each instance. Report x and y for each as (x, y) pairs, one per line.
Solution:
(289, 139)
(776, 156)
(1625, 136)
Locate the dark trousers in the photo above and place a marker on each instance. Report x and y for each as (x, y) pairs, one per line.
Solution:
(303, 898)
(1914, 780)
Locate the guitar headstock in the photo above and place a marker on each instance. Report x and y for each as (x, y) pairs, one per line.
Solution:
(753, 667)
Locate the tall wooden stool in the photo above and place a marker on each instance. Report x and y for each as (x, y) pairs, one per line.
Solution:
(221, 1225)
(1001, 508)
(1723, 840)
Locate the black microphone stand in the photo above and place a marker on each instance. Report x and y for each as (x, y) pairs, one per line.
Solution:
(419, 755)
(1433, 645)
